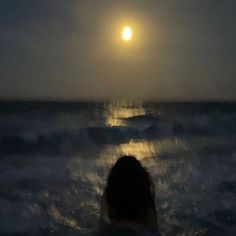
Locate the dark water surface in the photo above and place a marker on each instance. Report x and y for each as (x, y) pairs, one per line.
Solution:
(55, 157)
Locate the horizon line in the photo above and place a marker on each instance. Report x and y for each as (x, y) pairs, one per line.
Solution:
(74, 100)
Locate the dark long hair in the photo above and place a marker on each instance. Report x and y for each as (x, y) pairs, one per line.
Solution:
(129, 191)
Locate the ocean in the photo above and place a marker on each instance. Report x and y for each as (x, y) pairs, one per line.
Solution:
(55, 158)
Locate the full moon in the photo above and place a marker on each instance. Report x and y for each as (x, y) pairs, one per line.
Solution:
(127, 33)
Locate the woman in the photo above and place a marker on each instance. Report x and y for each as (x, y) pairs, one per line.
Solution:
(128, 203)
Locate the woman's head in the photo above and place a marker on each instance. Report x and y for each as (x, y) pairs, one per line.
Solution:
(129, 191)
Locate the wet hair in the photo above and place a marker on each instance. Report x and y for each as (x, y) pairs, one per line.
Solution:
(129, 191)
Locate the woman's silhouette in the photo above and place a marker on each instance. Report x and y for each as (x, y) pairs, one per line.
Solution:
(128, 201)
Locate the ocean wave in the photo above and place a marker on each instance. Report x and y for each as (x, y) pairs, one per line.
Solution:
(74, 140)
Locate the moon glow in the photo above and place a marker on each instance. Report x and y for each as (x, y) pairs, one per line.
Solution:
(127, 33)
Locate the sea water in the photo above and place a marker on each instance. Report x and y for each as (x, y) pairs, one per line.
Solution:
(55, 158)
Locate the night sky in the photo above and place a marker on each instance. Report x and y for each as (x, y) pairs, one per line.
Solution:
(67, 49)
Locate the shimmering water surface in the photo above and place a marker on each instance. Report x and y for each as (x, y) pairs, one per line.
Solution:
(55, 158)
